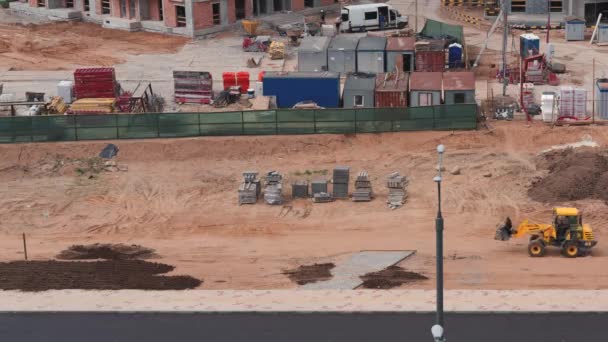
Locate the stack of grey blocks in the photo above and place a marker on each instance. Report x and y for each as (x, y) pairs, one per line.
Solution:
(397, 193)
(250, 188)
(319, 191)
(363, 188)
(340, 181)
(299, 189)
(274, 188)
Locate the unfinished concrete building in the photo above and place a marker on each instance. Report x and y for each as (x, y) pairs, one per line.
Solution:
(184, 17)
(588, 9)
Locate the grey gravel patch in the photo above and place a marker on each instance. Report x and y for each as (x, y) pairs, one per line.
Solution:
(346, 274)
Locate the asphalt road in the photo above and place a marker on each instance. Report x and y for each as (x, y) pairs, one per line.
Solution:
(296, 327)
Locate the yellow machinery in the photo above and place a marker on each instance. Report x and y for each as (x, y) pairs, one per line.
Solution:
(567, 232)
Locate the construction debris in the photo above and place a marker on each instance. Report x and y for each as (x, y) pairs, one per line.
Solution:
(363, 188)
(254, 62)
(340, 181)
(57, 105)
(227, 97)
(276, 50)
(92, 106)
(299, 189)
(273, 189)
(249, 190)
(397, 193)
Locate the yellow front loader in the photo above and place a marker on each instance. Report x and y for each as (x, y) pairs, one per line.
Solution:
(566, 232)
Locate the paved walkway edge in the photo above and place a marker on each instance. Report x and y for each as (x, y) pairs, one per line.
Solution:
(304, 301)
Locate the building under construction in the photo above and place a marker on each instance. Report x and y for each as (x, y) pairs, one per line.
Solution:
(588, 9)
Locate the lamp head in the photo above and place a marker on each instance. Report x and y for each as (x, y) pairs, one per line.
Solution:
(437, 331)
(440, 148)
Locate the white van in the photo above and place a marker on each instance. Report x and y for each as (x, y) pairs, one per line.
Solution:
(367, 17)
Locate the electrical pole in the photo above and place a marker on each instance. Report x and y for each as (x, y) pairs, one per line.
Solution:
(416, 17)
(549, 19)
(505, 37)
(593, 92)
(439, 247)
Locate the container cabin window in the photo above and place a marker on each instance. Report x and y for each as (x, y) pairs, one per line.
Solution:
(371, 15)
(359, 101)
(425, 99)
(344, 17)
(459, 98)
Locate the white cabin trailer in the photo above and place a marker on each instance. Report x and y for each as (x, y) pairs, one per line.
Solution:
(367, 17)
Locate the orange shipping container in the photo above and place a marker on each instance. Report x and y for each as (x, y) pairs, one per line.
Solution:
(391, 90)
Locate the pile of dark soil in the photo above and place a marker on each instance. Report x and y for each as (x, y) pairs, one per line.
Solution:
(573, 175)
(306, 274)
(91, 275)
(106, 251)
(389, 277)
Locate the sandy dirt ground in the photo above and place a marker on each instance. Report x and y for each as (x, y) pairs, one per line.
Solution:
(66, 45)
(179, 197)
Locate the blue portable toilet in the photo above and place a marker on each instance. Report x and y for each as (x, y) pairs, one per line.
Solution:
(455, 55)
(529, 45)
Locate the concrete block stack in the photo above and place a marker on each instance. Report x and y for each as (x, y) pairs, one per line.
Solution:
(249, 190)
(318, 186)
(322, 197)
(340, 181)
(274, 188)
(363, 188)
(397, 193)
(299, 189)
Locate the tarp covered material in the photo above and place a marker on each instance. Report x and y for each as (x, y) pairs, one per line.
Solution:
(109, 152)
(437, 29)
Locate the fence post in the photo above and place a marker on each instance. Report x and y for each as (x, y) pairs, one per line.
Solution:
(314, 120)
(276, 122)
(242, 124)
(355, 110)
(200, 133)
(157, 125)
(75, 128)
(116, 124)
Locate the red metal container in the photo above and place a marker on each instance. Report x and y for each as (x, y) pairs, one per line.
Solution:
(243, 81)
(391, 90)
(229, 79)
(430, 61)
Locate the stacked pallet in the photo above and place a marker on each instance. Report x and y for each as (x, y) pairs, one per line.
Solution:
(363, 188)
(322, 197)
(193, 87)
(95, 83)
(274, 188)
(340, 181)
(92, 106)
(299, 189)
(249, 190)
(397, 193)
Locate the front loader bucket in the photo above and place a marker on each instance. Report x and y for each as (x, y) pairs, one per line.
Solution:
(503, 230)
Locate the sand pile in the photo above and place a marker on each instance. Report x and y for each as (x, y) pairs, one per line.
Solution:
(573, 175)
(106, 251)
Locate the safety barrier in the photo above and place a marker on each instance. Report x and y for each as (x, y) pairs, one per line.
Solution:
(268, 122)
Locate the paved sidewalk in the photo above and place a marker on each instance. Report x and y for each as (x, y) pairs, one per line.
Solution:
(305, 301)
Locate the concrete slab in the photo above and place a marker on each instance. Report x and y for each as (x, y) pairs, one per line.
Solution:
(120, 24)
(346, 274)
(535, 19)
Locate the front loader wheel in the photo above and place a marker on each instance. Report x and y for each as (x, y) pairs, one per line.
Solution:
(570, 249)
(536, 248)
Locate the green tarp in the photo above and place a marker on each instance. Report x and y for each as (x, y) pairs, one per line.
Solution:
(433, 28)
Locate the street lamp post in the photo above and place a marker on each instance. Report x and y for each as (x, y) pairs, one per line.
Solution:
(437, 329)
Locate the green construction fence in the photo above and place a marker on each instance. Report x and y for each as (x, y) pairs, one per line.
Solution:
(266, 122)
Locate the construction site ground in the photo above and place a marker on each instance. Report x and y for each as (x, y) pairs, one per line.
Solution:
(179, 198)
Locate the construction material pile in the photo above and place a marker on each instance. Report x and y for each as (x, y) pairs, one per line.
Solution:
(249, 190)
(276, 50)
(92, 106)
(397, 193)
(299, 189)
(95, 83)
(319, 191)
(363, 188)
(274, 188)
(340, 180)
(193, 87)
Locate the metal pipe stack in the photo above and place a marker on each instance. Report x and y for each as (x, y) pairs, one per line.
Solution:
(363, 188)
(397, 193)
(340, 181)
(273, 189)
(249, 190)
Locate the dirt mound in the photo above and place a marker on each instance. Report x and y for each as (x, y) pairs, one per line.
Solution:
(106, 251)
(306, 274)
(97, 275)
(389, 277)
(573, 175)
